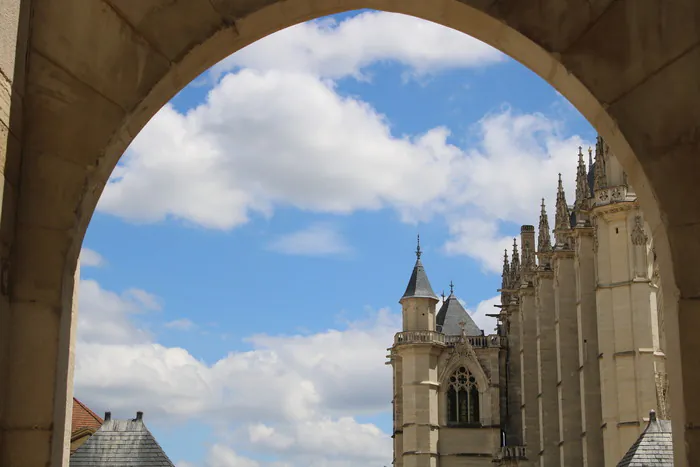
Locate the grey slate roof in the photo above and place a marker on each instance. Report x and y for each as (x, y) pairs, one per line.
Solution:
(449, 316)
(419, 285)
(653, 448)
(121, 443)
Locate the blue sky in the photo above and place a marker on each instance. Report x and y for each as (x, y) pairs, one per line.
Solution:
(241, 275)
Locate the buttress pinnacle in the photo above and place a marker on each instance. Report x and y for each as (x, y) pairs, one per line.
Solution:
(562, 220)
(599, 180)
(505, 275)
(544, 241)
(581, 181)
(515, 265)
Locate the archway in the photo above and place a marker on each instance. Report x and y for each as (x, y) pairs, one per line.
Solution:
(98, 71)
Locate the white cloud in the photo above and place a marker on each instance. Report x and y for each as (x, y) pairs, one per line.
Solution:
(303, 389)
(90, 258)
(315, 240)
(308, 147)
(486, 323)
(335, 50)
(104, 316)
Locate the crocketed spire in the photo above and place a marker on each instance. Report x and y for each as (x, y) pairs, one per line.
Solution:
(562, 218)
(599, 180)
(544, 240)
(582, 191)
(505, 275)
(515, 266)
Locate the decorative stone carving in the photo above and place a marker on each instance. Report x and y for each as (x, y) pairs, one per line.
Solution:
(639, 237)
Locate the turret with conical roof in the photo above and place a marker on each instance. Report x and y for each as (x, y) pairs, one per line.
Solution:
(419, 300)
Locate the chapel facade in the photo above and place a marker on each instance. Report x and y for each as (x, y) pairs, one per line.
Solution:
(576, 362)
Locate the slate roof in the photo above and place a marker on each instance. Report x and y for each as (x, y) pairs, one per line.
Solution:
(121, 443)
(653, 448)
(83, 417)
(418, 284)
(449, 316)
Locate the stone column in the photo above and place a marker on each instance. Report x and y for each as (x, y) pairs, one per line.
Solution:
(566, 326)
(420, 404)
(528, 362)
(514, 423)
(589, 370)
(547, 369)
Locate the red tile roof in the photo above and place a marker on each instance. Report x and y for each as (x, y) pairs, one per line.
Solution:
(84, 417)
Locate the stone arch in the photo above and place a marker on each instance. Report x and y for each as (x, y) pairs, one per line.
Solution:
(629, 67)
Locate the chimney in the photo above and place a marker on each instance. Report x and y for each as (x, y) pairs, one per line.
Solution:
(108, 416)
(652, 415)
(139, 416)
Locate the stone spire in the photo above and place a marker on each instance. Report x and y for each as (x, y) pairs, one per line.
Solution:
(562, 218)
(419, 285)
(599, 180)
(505, 275)
(544, 241)
(515, 266)
(582, 190)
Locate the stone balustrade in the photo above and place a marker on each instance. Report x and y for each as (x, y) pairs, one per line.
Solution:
(511, 453)
(415, 337)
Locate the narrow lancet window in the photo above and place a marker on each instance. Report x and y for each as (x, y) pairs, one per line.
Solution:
(462, 398)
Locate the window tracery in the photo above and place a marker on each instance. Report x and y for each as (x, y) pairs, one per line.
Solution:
(462, 398)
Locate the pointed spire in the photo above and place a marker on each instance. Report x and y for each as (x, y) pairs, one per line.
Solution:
(544, 241)
(582, 191)
(505, 275)
(562, 217)
(515, 266)
(419, 285)
(599, 180)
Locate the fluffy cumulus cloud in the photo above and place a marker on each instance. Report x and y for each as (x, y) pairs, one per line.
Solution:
(275, 132)
(335, 50)
(292, 396)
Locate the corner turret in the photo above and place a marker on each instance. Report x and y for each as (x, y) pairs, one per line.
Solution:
(418, 301)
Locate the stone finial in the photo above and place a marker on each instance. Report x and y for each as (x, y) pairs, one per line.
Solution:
(544, 241)
(599, 180)
(582, 191)
(452, 288)
(418, 252)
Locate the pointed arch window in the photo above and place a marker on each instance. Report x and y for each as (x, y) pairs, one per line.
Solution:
(462, 398)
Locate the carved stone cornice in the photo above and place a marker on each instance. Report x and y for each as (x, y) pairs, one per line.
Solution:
(616, 208)
(563, 254)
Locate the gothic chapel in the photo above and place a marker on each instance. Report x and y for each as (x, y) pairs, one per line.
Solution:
(575, 373)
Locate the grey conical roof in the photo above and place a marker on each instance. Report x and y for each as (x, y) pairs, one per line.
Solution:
(653, 448)
(120, 443)
(419, 285)
(451, 314)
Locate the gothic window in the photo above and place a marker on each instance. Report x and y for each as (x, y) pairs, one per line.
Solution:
(462, 398)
